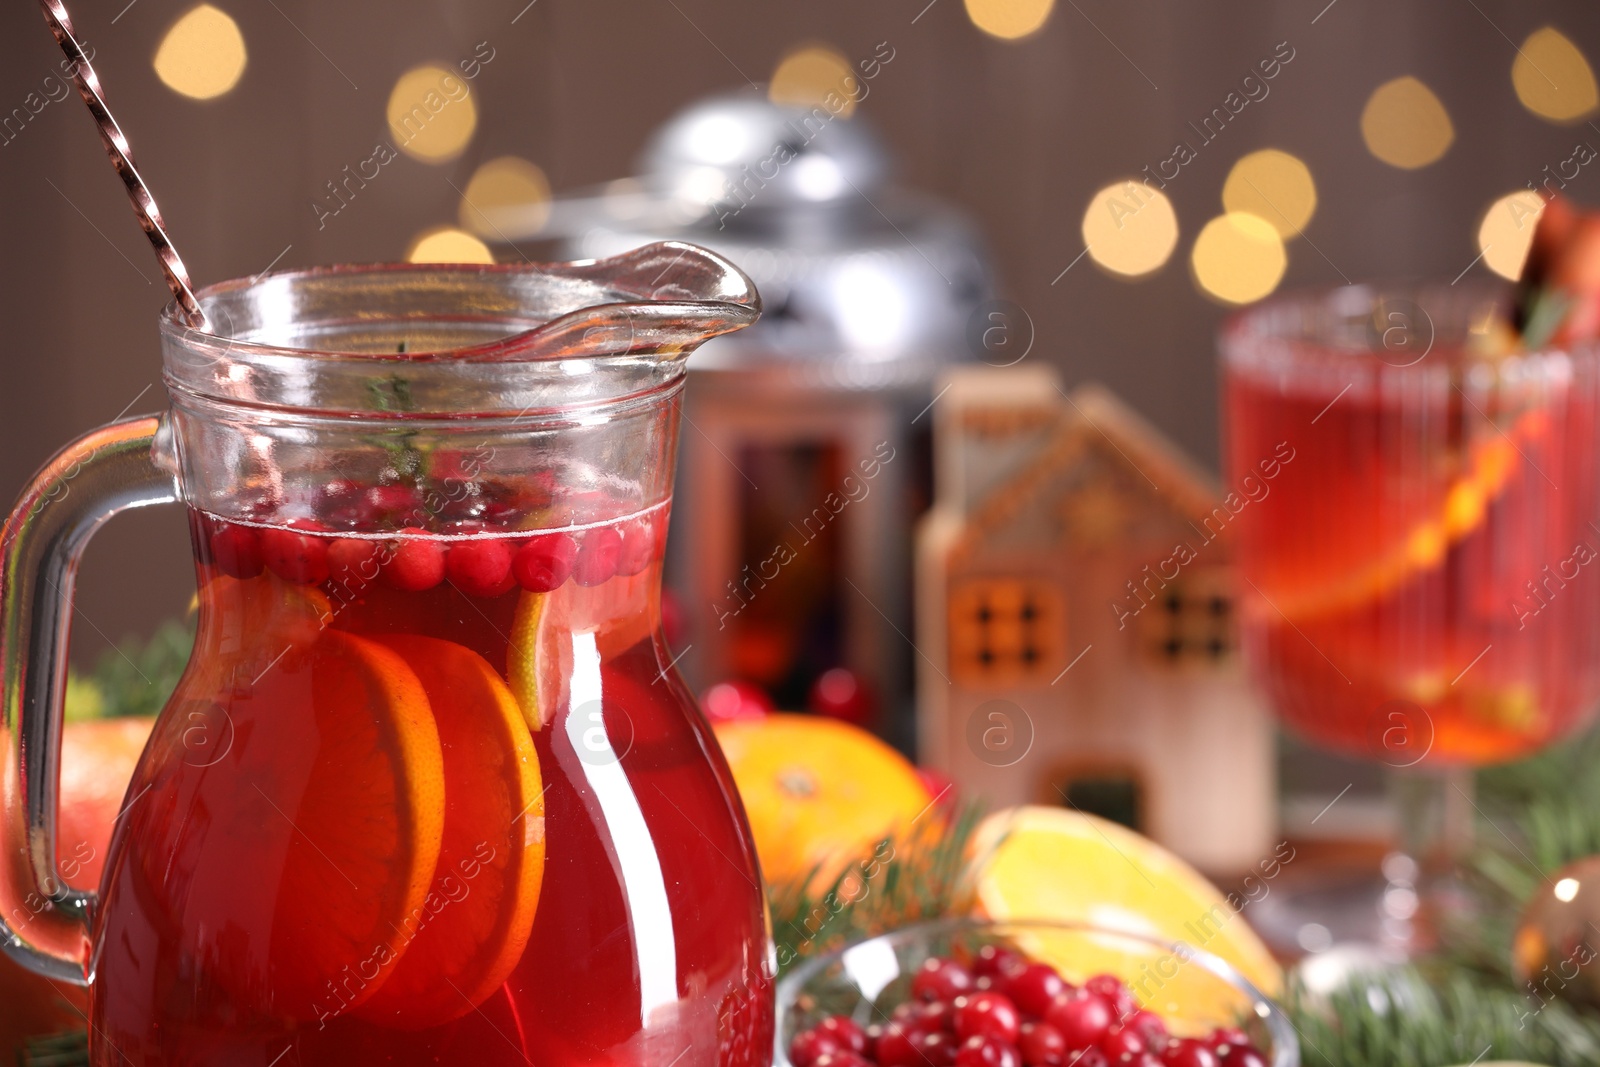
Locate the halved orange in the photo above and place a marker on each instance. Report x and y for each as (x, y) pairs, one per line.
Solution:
(290, 861)
(468, 934)
(819, 793)
(539, 660)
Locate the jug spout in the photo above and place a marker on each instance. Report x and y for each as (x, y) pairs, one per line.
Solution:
(668, 297)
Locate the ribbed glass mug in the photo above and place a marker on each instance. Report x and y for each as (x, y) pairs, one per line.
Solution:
(429, 790)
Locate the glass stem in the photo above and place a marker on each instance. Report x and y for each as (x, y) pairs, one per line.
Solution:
(1435, 808)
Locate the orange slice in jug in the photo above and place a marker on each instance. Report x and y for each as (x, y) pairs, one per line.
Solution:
(539, 661)
(314, 834)
(467, 935)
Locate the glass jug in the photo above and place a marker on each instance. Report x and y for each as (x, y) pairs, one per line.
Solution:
(429, 790)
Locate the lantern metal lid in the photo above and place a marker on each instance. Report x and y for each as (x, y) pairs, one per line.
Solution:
(866, 286)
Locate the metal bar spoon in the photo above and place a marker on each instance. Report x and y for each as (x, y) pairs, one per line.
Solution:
(144, 205)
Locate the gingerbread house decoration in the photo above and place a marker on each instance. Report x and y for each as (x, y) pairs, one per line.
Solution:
(1075, 621)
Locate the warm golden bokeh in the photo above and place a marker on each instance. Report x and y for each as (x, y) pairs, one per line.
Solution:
(1274, 186)
(1406, 125)
(1009, 19)
(1552, 78)
(1238, 257)
(1130, 228)
(446, 244)
(507, 197)
(806, 76)
(1507, 231)
(431, 114)
(203, 55)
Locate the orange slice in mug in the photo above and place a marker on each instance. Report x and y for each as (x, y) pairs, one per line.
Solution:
(468, 933)
(1455, 510)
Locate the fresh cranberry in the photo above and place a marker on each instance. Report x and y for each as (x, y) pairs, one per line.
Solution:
(936, 1048)
(940, 979)
(392, 505)
(236, 551)
(997, 959)
(981, 1050)
(1188, 1052)
(339, 502)
(1224, 1036)
(896, 1045)
(925, 1015)
(1150, 1026)
(1034, 988)
(839, 694)
(1122, 1042)
(638, 546)
(733, 701)
(842, 1058)
(544, 563)
(1243, 1056)
(353, 562)
(845, 1031)
(416, 562)
(480, 567)
(294, 556)
(939, 785)
(987, 1015)
(597, 556)
(1041, 1045)
(809, 1045)
(1121, 999)
(1082, 1018)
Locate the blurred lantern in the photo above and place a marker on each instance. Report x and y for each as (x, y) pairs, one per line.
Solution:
(804, 455)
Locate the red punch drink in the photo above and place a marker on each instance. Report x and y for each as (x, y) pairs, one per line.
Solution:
(1423, 578)
(435, 800)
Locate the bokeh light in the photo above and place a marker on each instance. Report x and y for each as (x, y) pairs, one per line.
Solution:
(1238, 257)
(446, 244)
(1009, 19)
(203, 55)
(1507, 231)
(806, 76)
(508, 198)
(1405, 124)
(1275, 186)
(431, 114)
(1130, 228)
(1552, 78)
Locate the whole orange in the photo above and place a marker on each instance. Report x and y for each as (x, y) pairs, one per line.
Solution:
(819, 793)
(97, 760)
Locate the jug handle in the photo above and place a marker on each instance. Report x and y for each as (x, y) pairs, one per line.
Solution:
(44, 925)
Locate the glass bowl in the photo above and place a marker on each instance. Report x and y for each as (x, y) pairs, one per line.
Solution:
(1191, 990)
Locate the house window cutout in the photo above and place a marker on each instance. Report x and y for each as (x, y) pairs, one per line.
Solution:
(1005, 631)
(1114, 793)
(1191, 620)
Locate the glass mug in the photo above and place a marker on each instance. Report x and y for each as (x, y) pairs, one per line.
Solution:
(429, 790)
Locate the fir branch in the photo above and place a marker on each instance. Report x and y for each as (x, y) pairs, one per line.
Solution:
(1400, 1019)
(919, 875)
(134, 678)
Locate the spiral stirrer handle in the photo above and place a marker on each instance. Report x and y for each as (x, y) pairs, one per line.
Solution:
(144, 205)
